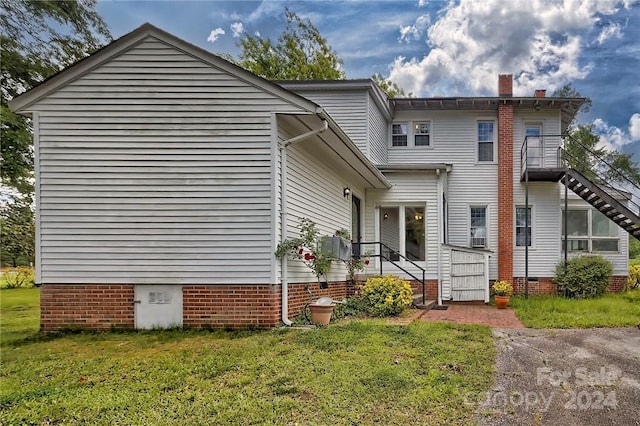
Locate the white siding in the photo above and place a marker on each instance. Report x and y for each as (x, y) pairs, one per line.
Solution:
(470, 183)
(315, 191)
(544, 199)
(347, 108)
(378, 133)
(156, 168)
(411, 189)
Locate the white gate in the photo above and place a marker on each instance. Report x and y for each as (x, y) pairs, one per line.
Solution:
(468, 274)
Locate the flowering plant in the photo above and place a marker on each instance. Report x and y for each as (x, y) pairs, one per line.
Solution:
(502, 288)
(307, 248)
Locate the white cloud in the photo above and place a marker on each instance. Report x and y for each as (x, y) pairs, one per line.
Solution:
(472, 41)
(266, 8)
(414, 32)
(609, 31)
(215, 34)
(611, 137)
(237, 29)
(634, 127)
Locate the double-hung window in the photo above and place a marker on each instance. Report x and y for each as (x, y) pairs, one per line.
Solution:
(399, 134)
(421, 134)
(523, 226)
(478, 226)
(590, 231)
(486, 138)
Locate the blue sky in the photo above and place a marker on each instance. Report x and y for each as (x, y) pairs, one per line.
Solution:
(443, 48)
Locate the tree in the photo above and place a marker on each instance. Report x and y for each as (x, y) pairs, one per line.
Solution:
(300, 53)
(392, 89)
(38, 39)
(18, 231)
(599, 164)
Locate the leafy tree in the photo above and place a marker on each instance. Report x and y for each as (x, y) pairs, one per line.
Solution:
(18, 231)
(38, 38)
(596, 163)
(300, 53)
(392, 89)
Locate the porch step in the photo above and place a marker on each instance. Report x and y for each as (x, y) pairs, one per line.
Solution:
(417, 302)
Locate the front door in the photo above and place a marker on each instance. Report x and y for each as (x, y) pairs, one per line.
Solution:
(356, 228)
(533, 132)
(158, 306)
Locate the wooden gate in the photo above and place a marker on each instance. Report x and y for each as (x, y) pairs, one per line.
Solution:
(468, 275)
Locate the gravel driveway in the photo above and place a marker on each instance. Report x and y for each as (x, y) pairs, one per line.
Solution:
(564, 377)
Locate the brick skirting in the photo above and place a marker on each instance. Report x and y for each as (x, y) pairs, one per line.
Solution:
(95, 306)
(546, 286)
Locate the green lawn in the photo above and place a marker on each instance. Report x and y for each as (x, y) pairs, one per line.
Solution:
(19, 314)
(610, 310)
(358, 372)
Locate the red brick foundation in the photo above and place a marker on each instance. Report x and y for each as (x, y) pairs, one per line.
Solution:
(431, 288)
(545, 286)
(231, 306)
(298, 295)
(96, 306)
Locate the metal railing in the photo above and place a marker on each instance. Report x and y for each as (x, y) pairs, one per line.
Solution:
(534, 156)
(356, 249)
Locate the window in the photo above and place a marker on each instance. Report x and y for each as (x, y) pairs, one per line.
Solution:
(590, 231)
(533, 133)
(402, 231)
(485, 140)
(421, 133)
(478, 226)
(523, 215)
(399, 134)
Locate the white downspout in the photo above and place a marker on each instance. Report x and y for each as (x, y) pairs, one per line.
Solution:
(440, 233)
(283, 213)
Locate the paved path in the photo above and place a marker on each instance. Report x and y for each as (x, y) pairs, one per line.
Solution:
(475, 314)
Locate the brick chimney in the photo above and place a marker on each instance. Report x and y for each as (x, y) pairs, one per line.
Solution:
(540, 93)
(505, 85)
(505, 179)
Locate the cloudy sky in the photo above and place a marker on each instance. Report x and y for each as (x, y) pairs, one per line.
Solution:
(444, 48)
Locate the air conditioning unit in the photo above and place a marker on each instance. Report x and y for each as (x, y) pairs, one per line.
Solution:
(336, 247)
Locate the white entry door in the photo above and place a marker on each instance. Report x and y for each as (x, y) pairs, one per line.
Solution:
(158, 306)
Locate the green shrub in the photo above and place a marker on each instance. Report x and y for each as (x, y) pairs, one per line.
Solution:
(19, 277)
(352, 306)
(586, 277)
(633, 281)
(387, 295)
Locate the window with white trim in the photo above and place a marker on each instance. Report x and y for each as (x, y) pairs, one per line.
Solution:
(399, 134)
(486, 140)
(478, 236)
(523, 226)
(402, 231)
(422, 133)
(590, 231)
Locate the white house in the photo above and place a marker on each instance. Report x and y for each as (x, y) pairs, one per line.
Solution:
(166, 177)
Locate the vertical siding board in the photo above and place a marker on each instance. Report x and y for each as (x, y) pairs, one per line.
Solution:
(162, 148)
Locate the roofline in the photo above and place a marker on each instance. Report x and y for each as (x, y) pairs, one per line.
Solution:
(20, 104)
(414, 167)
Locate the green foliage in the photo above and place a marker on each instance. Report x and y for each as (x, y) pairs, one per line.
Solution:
(634, 248)
(609, 310)
(586, 277)
(387, 295)
(307, 248)
(392, 89)
(300, 53)
(633, 280)
(18, 277)
(18, 231)
(38, 39)
(502, 288)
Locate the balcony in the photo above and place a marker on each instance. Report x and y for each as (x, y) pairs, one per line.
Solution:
(541, 159)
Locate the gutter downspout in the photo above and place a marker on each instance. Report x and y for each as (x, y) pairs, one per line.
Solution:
(283, 212)
(440, 233)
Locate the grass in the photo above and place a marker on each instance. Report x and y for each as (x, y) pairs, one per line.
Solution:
(19, 314)
(359, 372)
(610, 310)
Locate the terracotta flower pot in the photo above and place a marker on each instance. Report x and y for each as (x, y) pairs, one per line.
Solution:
(502, 302)
(321, 314)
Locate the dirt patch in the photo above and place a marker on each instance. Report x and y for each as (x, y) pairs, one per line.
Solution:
(564, 377)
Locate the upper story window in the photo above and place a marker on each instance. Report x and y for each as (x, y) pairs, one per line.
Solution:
(399, 134)
(421, 133)
(486, 140)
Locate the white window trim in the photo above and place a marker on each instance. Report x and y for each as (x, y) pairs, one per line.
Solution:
(486, 225)
(540, 124)
(589, 237)
(402, 229)
(411, 134)
(533, 227)
(476, 143)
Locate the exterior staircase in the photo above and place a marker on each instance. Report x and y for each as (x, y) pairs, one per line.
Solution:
(604, 200)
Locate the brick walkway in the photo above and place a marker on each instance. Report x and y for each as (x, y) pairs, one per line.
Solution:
(475, 314)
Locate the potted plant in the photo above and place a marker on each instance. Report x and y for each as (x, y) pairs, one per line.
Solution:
(502, 290)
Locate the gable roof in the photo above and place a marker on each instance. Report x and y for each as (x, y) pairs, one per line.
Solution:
(22, 103)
